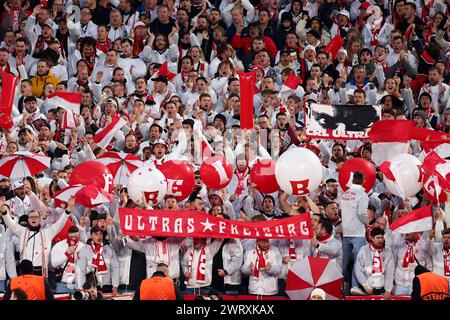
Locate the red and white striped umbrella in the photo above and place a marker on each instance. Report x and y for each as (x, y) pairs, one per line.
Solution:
(310, 273)
(89, 196)
(121, 165)
(23, 164)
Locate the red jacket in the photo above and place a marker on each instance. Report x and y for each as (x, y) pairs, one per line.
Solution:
(245, 43)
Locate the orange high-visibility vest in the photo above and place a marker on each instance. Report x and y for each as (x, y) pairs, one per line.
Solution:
(433, 286)
(157, 288)
(33, 286)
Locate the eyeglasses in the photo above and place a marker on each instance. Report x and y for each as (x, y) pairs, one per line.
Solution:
(197, 177)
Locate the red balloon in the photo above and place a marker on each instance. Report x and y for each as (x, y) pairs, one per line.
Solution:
(93, 173)
(216, 172)
(429, 189)
(357, 164)
(263, 175)
(180, 178)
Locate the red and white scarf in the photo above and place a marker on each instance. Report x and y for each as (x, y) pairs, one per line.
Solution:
(162, 252)
(200, 275)
(426, 7)
(409, 254)
(242, 178)
(260, 263)
(98, 260)
(377, 265)
(323, 240)
(14, 19)
(446, 254)
(292, 251)
(375, 26)
(71, 243)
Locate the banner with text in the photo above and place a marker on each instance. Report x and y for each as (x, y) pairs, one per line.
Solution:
(188, 223)
(349, 122)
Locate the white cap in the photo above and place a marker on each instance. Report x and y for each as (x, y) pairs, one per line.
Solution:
(319, 292)
(309, 47)
(17, 185)
(161, 141)
(344, 12)
(344, 51)
(139, 24)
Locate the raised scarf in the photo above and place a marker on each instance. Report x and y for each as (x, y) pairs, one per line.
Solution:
(409, 254)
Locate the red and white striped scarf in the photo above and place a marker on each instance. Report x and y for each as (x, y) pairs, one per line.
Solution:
(260, 263)
(162, 252)
(446, 254)
(98, 260)
(242, 177)
(200, 275)
(70, 243)
(377, 265)
(292, 251)
(409, 254)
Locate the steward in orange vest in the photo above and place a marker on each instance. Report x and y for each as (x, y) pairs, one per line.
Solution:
(158, 287)
(34, 287)
(428, 285)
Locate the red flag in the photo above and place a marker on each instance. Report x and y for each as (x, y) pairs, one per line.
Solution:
(104, 136)
(164, 71)
(248, 80)
(6, 101)
(66, 100)
(436, 166)
(333, 46)
(290, 85)
(389, 138)
(414, 221)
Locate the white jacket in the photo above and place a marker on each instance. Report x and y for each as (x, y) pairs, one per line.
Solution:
(59, 259)
(302, 250)
(232, 256)
(354, 205)
(330, 249)
(7, 260)
(31, 248)
(267, 282)
(363, 268)
(405, 276)
(436, 251)
(19, 206)
(149, 247)
(210, 252)
(83, 265)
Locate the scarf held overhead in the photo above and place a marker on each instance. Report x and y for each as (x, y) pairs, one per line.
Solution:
(188, 223)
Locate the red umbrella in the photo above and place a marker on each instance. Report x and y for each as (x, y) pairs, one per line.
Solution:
(23, 164)
(89, 196)
(310, 273)
(121, 165)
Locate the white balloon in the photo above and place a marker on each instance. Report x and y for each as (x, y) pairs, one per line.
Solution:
(298, 171)
(151, 181)
(408, 176)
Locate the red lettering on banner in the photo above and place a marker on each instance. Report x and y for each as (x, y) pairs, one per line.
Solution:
(190, 225)
(299, 187)
(178, 228)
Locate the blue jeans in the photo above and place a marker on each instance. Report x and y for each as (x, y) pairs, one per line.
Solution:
(62, 287)
(203, 290)
(2, 285)
(402, 291)
(351, 247)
